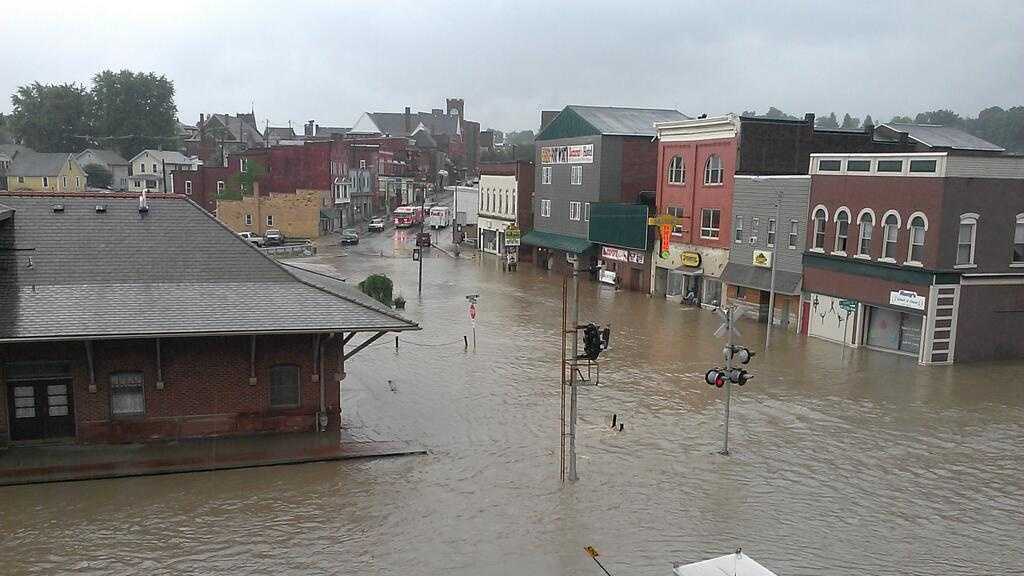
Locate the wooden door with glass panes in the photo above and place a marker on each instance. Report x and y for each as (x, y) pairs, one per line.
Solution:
(39, 403)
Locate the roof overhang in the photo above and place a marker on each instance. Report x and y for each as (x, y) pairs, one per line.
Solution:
(714, 128)
(143, 335)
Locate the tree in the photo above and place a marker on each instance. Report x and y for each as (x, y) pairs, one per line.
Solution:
(378, 287)
(51, 117)
(868, 123)
(134, 111)
(902, 120)
(749, 113)
(850, 122)
(6, 135)
(96, 176)
(827, 122)
(774, 112)
(941, 117)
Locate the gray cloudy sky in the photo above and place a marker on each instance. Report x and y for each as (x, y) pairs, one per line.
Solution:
(330, 61)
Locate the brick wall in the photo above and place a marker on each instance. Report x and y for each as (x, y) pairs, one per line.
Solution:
(639, 168)
(692, 195)
(296, 215)
(206, 385)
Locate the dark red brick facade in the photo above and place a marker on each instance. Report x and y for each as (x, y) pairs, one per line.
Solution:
(692, 195)
(206, 388)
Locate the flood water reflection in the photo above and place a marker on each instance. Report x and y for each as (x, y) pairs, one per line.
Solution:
(863, 465)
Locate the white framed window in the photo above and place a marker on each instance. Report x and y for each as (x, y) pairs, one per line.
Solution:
(771, 233)
(46, 182)
(966, 238)
(586, 212)
(820, 217)
(890, 235)
(270, 219)
(21, 179)
(362, 164)
(545, 175)
(155, 169)
(243, 164)
(248, 219)
(713, 170)
(710, 223)
(738, 236)
(188, 187)
(918, 225)
(842, 230)
(127, 394)
(220, 186)
(794, 234)
(1018, 240)
(64, 182)
(545, 208)
(677, 212)
(142, 167)
(576, 175)
(78, 181)
(574, 210)
(755, 228)
(676, 170)
(866, 223)
(284, 386)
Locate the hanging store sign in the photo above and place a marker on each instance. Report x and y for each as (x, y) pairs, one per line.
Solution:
(636, 257)
(907, 299)
(763, 258)
(614, 253)
(691, 259)
(607, 277)
(512, 235)
(575, 154)
(665, 232)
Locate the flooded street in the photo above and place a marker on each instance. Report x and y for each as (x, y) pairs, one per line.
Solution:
(863, 465)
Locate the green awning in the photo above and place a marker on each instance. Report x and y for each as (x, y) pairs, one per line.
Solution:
(556, 241)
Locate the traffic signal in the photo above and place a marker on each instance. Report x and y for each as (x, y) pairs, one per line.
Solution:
(739, 376)
(606, 336)
(591, 342)
(715, 377)
(737, 354)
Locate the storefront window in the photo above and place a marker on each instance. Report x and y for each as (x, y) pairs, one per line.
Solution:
(893, 330)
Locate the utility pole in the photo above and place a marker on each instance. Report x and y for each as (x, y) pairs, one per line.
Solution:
(775, 254)
(728, 384)
(573, 382)
(729, 375)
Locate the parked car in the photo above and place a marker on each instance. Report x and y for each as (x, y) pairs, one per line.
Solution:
(376, 225)
(252, 238)
(349, 237)
(273, 238)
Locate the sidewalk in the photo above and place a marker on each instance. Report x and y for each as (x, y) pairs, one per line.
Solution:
(31, 464)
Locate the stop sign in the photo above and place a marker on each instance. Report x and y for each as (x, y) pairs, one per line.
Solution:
(472, 311)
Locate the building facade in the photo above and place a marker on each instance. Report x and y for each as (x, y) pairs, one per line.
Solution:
(45, 172)
(111, 161)
(769, 219)
(918, 254)
(588, 154)
(153, 170)
(505, 200)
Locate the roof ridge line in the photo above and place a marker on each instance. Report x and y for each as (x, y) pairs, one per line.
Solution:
(388, 312)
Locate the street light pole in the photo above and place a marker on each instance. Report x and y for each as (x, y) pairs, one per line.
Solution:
(573, 381)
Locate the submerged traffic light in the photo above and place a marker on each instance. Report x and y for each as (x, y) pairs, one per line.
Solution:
(591, 342)
(737, 354)
(739, 376)
(715, 377)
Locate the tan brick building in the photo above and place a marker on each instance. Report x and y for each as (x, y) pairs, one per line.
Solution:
(296, 215)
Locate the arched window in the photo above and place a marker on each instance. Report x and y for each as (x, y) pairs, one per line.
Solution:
(820, 217)
(965, 239)
(842, 229)
(713, 170)
(890, 234)
(917, 224)
(676, 170)
(867, 224)
(1018, 240)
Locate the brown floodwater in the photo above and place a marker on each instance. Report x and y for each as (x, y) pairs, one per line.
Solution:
(867, 464)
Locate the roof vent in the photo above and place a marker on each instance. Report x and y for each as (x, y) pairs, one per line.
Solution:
(101, 208)
(58, 208)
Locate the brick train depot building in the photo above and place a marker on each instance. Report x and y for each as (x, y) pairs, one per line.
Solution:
(124, 319)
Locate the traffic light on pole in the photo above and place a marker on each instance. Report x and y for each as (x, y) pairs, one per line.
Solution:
(739, 376)
(592, 342)
(738, 354)
(715, 377)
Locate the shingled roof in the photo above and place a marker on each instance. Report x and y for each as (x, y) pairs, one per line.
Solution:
(575, 120)
(78, 272)
(38, 163)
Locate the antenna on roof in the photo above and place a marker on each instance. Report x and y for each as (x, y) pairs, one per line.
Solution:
(143, 202)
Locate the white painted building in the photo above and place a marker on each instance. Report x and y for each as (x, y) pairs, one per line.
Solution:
(496, 211)
(153, 170)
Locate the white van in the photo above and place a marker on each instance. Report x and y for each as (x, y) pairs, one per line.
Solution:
(440, 217)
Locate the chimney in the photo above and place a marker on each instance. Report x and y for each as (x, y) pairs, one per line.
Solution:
(407, 120)
(809, 118)
(309, 129)
(436, 112)
(202, 119)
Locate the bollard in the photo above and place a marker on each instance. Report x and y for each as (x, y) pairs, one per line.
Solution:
(465, 341)
(614, 418)
(396, 343)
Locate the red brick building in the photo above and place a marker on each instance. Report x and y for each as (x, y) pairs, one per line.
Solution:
(926, 250)
(167, 325)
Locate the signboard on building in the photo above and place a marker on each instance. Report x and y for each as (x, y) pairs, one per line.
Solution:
(512, 235)
(691, 259)
(575, 154)
(907, 298)
(607, 276)
(614, 253)
(763, 258)
(636, 257)
(848, 305)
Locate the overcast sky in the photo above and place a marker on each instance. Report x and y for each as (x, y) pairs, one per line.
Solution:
(330, 61)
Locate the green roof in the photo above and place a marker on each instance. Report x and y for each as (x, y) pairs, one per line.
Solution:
(556, 241)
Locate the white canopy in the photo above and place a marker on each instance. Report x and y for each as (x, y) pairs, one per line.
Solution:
(738, 564)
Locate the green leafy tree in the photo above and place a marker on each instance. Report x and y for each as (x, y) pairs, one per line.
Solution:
(52, 117)
(902, 120)
(242, 184)
(868, 123)
(850, 122)
(774, 112)
(827, 122)
(134, 111)
(378, 287)
(749, 113)
(941, 117)
(6, 134)
(97, 176)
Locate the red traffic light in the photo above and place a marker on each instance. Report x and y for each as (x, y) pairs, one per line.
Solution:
(715, 377)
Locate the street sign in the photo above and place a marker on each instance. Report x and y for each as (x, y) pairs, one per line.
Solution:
(472, 311)
(724, 328)
(848, 305)
(423, 239)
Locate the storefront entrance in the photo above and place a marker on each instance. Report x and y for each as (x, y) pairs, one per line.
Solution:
(894, 330)
(39, 400)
